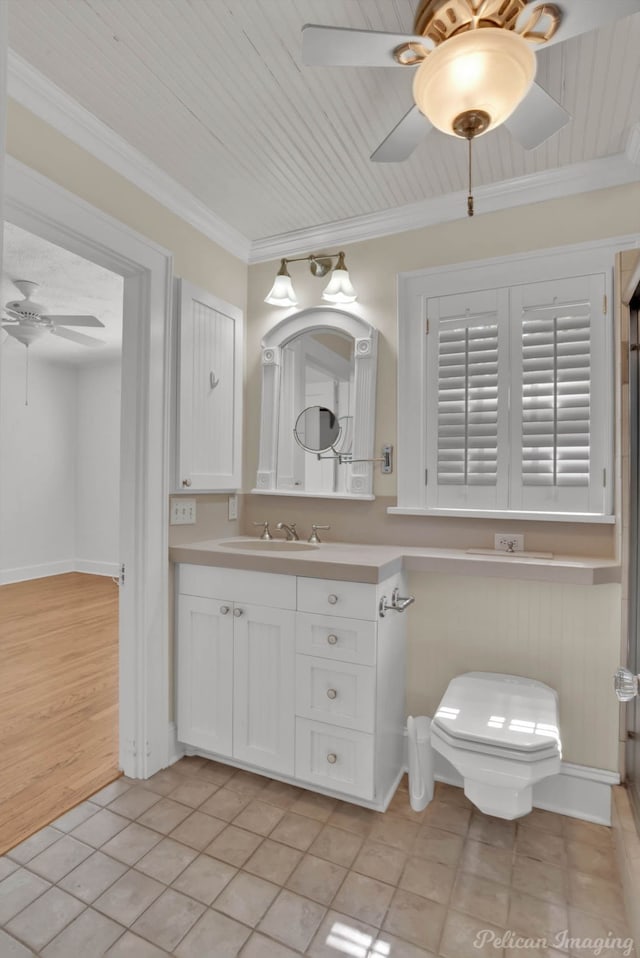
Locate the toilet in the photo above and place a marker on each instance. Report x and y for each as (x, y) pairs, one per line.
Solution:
(500, 732)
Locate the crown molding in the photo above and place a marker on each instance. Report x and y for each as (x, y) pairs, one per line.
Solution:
(534, 188)
(34, 91)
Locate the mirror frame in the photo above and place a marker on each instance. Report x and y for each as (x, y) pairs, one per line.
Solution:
(365, 355)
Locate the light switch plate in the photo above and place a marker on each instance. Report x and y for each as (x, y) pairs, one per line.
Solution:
(233, 507)
(183, 512)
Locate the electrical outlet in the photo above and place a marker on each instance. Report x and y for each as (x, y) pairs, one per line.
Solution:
(233, 507)
(508, 542)
(183, 512)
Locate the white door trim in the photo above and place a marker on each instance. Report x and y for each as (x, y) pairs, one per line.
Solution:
(41, 206)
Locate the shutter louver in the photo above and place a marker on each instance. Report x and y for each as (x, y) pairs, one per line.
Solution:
(468, 404)
(556, 395)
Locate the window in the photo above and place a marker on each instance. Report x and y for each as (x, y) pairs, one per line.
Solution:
(516, 409)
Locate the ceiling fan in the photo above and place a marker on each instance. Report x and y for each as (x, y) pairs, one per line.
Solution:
(475, 65)
(28, 321)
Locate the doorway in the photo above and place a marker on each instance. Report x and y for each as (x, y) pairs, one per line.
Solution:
(632, 750)
(36, 204)
(60, 387)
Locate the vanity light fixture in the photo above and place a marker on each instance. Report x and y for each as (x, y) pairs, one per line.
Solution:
(339, 290)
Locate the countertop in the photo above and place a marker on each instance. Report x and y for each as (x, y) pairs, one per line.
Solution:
(372, 563)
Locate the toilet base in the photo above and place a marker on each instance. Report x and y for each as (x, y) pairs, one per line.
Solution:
(507, 803)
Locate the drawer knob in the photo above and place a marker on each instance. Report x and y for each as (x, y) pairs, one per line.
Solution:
(332, 599)
(332, 694)
(186, 482)
(332, 639)
(237, 613)
(332, 758)
(224, 610)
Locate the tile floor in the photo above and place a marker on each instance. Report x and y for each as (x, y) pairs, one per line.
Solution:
(203, 861)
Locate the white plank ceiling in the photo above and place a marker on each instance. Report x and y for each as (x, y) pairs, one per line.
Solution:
(214, 93)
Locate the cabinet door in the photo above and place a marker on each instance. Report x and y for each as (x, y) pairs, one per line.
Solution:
(205, 673)
(264, 694)
(209, 417)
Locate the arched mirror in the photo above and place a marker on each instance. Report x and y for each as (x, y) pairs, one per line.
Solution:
(318, 405)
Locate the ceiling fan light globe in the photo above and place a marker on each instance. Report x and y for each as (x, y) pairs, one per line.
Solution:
(282, 293)
(340, 288)
(488, 70)
(25, 333)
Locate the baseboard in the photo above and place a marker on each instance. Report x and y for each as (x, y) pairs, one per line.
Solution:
(24, 573)
(92, 567)
(176, 749)
(60, 567)
(577, 791)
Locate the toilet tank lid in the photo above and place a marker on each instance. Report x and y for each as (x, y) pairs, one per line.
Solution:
(503, 710)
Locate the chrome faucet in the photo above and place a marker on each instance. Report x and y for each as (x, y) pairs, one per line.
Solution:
(290, 531)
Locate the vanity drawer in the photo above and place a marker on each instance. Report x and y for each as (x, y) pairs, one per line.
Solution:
(353, 600)
(234, 585)
(334, 758)
(341, 640)
(336, 692)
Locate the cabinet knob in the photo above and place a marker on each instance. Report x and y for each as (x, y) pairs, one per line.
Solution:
(332, 758)
(332, 599)
(224, 610)
(332, 694)
(332, 639)
(186, 482)
(237, 613)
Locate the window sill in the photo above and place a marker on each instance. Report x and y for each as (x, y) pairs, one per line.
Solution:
(489, 514)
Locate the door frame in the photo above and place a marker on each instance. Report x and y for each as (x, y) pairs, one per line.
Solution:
(37, 204)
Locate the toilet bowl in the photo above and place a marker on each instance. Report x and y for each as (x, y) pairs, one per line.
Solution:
(500, 732)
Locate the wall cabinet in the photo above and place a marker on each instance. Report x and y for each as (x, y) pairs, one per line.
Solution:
(305, 682)
(209, 393)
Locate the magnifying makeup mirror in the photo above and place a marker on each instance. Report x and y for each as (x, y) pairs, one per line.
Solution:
(317, 429)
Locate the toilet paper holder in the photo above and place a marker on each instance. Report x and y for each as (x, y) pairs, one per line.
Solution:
(398, 603)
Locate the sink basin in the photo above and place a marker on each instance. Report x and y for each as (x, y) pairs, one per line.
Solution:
(267, 545)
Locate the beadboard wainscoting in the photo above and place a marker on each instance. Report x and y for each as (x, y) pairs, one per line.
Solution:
(564, 635)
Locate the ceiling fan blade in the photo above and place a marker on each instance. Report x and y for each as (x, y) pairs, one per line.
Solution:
(403, 139)
(537, 118)
(13, 312)
(343, 47)
(79, 338)
(580, 16)
(74, 320)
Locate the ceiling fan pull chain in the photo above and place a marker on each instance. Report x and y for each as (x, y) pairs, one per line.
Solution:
(470, 196)
(26, 380)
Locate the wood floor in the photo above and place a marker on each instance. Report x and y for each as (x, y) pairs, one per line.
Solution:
(58, 698)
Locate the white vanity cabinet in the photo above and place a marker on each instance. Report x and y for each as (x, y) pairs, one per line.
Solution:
(235, 665)
(209, 393)
(297, 677)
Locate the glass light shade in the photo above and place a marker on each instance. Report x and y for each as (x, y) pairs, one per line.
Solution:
(339, 288)
(282, 293)
(488, 69)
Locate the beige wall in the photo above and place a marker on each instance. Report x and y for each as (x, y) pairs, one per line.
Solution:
(374, 266)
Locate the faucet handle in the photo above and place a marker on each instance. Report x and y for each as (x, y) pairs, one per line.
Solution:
(314, 537)
(265, 532)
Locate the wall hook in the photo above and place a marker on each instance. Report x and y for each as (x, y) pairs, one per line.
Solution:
(213, 380)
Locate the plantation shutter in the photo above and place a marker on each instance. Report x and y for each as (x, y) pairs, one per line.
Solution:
(559, 365)
(466, 401)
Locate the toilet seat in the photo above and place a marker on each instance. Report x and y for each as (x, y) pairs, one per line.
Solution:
(500, 732)
(487, 711)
